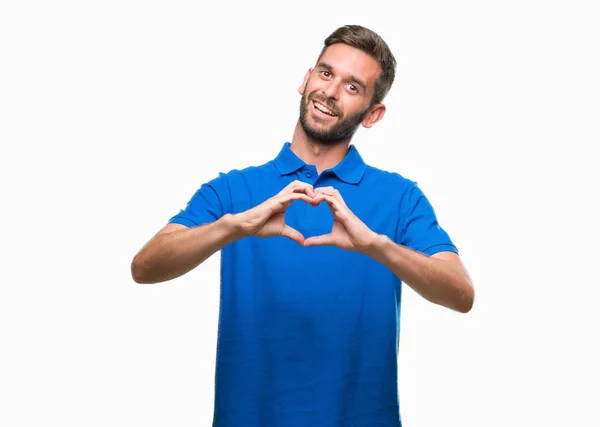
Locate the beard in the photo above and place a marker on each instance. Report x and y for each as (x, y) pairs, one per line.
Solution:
(343, 129)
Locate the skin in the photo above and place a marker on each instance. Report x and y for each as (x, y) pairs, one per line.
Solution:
(336, 83)
(342, 80)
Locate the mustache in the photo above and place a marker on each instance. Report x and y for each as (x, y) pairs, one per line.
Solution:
(327, 102)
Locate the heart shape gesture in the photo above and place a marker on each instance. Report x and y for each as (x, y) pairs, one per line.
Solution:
(348, 231)
(267, 219)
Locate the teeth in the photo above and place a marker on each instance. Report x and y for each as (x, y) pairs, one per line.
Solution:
(323, 109)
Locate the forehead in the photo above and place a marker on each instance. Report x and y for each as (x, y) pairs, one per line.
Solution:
(348, 60)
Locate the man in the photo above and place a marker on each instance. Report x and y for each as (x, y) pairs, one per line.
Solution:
(314, 247)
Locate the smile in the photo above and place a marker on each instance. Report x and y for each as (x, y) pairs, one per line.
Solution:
(323, 109)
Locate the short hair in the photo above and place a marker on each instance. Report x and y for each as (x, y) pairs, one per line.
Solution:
(372, 44)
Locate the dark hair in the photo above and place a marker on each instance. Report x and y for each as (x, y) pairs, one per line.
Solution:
(371, 43)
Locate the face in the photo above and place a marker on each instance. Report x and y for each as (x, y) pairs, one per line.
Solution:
(337, 93)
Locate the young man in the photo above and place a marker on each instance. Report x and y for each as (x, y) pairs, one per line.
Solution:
(314, 247)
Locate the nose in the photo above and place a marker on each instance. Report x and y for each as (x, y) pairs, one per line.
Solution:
(332, 90)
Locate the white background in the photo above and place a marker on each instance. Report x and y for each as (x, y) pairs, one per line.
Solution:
(113, 113)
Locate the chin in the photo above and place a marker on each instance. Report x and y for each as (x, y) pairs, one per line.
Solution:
(318, 126)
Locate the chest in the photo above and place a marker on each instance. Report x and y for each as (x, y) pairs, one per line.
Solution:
(372, 204)
(379, 215)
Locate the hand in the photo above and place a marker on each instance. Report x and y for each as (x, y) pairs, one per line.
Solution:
(348, 231)
(267, 219)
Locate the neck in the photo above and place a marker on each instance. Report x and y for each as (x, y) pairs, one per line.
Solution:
(313, 152)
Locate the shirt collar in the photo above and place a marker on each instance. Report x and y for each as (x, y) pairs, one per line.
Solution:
(350, 169)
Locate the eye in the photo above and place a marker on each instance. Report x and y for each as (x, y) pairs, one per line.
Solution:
(326, 73)
(352, 88)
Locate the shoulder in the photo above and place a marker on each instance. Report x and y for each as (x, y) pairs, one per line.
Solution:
(252, 183)
(247, 174)
(399, 190)
(391, 180)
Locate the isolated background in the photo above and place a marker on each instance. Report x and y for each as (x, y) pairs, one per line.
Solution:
(113, 113)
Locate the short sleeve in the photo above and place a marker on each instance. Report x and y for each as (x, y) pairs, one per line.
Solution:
(206, 205)
(420, 228)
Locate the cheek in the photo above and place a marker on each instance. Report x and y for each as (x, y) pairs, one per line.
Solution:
(313, 85)
(352, 105)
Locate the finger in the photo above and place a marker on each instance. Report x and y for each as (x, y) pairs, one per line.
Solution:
(323, 240)
(307, 190)
(299, 186)
(331, 200)
(297, 196)
(293, 234)
(331, 191)
(324, 190)
(283, 201)
(338, 208)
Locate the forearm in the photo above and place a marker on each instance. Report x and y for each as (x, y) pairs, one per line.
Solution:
(173, 254)
(436, 280)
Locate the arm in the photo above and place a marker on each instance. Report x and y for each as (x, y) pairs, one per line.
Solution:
(177, 249)
(440, 278)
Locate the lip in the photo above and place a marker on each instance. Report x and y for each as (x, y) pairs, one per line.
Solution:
(321, 114)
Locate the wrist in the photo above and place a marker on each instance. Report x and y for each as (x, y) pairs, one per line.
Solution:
(233, 224)
(376, 245)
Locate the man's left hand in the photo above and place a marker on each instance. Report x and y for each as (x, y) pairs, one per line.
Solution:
(348, 231)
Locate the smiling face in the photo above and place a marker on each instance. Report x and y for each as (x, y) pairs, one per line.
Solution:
(337, 94)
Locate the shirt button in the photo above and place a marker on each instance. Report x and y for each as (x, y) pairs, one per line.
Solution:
(309, 174)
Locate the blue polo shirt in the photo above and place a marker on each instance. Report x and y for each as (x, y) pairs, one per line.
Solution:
(308, 336)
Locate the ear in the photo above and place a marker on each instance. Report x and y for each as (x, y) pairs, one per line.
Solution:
(303, 85)
(375, 114)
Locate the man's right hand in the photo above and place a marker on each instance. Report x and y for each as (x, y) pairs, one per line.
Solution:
(267, 219)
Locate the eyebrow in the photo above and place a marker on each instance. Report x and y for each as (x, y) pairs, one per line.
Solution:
(353, 78)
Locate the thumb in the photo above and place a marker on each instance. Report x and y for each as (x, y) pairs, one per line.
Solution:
(324, 239)
(293, 234)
